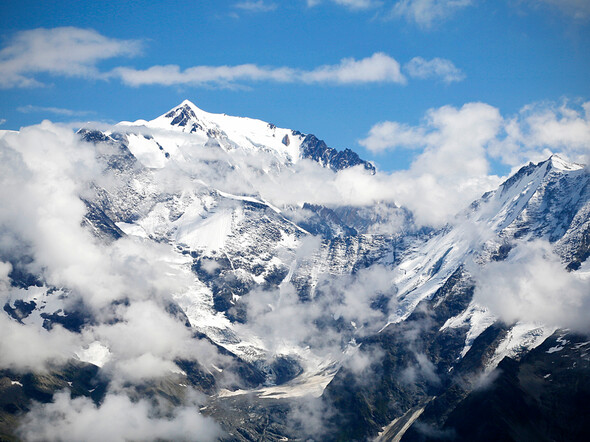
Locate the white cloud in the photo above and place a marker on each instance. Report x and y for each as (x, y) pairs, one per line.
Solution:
(25, 348)
(390, 135)
(379, 68)
(455, 144)
(425, 13)
(282, 321)
(201, 75)
(2, 121)
(116, 419)
(541, 129)
(255, 6)
(452, 170)
(536, 132)
(66, 51)
(532, 285)
(351, 4)
(75, 52)
(441, 68)
(52, 110)
(44, 170)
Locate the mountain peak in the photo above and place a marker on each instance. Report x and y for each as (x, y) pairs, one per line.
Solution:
(559, 163)
(183, 114)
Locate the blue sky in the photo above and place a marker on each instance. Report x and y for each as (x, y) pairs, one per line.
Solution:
(108, 63)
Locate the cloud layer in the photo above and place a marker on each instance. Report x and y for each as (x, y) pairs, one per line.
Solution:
(379, 68)
(75, 52)
(117, 419)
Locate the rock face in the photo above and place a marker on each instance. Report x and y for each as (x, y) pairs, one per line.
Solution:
(317, 150)
(382, 336)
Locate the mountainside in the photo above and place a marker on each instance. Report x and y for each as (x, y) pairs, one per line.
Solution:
(202, 284)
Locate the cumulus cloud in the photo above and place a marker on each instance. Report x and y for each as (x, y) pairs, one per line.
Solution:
(440, 68)
(452, 169)
(533, 286)
(455, 146)
(65, 51)
(378, 68)
(426, 13)
(116, 419)
(541, 129)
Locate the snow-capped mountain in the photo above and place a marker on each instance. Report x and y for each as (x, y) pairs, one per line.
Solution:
(297, 308)
(229, 133)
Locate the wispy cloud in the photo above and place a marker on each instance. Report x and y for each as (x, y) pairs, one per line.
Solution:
(29, 109)
(75, 52)
(426, 13)
(255, 6)
(378, 68)
(2, 121)
(351, 4)
(66, 51)
(577, 9)
(440, 68)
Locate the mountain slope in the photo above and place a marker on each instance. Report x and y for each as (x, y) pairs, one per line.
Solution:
(440, 337)
(294, 319)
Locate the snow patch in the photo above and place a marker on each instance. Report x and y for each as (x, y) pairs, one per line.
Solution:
(96, 353)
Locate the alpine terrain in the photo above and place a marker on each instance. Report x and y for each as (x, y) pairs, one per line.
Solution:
(201, 276)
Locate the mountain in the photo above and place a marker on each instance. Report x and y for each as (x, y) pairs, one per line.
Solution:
(229, 133)
(296, 319)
